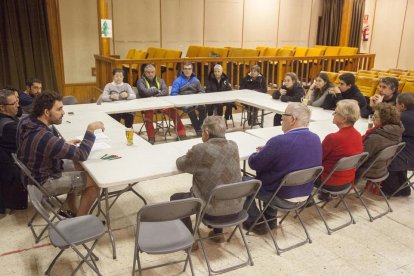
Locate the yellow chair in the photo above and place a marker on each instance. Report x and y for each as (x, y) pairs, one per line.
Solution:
(400, 72)
(300, 52)
(332, 51)
(172, 54)
(129, 55)
(408, 87)
(324, 47)
(193, 50)
(386, 74)
(205, 52)
(378, 70)
(250, 53)
(348, 51)
(152, 51)
(333, 76)
(407, 78)
(293, 48)
(284, 52)
(138, 55)
(343, 71)
(262, 50)
(367, 85)
(366, 74)
(272, 52)
(222, 52)
(315, 52)
(411, 73)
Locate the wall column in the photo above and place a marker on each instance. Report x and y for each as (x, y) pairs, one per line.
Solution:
(104, 49)
(346, 23)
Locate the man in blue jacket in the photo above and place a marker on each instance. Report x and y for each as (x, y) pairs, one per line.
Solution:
(187, 84)
(296, 149)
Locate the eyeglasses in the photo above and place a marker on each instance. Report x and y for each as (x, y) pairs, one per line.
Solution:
(188, 68)
(16, 102)
(286, 115)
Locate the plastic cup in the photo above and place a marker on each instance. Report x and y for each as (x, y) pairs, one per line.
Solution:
(129, 132)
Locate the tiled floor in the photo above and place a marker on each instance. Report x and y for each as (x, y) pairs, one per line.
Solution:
(382, 247)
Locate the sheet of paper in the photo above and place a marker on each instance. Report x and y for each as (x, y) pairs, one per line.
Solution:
(100, 137)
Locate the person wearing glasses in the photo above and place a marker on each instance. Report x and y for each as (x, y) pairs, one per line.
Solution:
(12, 194)
(298, 148)
(345, 142)
(185, 84)
(387, 131)
(345, 90)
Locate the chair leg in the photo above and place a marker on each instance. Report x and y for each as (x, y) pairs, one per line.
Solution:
(47, 272)
(85, 258)
(371, 217)
(406, 184)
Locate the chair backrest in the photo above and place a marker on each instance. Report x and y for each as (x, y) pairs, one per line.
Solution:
(36, 197)
(347, 163)
(367, 85)
(300, 51)
(348, 51)
(69, 100)
(333, 76)
(315, 52)
(301, 177)
(332, 51)
(408, 87)
(171, 210)
(193, 50)
(387, 155)
(235, 190)
(25, 171)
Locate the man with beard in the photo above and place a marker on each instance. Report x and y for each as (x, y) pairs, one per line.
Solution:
(33, 88)
(42, 152)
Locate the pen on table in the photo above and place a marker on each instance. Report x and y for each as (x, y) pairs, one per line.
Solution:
(103, 157)
(116, 157)
(68, 122)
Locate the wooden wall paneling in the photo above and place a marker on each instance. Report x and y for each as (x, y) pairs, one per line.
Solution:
(84, 92)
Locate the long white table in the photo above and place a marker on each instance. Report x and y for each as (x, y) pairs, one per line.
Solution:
(321, 128)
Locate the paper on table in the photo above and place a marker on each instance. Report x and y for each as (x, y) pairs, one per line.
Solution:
(100, 146)
(99, 137)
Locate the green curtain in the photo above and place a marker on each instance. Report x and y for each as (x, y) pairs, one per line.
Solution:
(330, 27)
(358, 9)
(24, 43)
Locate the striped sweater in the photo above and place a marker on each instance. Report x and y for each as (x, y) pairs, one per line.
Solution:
(42, 152)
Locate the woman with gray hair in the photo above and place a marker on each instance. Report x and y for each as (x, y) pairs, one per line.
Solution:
(343, 143)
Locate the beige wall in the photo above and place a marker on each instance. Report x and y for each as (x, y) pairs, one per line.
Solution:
(79, 27)
(177, 24)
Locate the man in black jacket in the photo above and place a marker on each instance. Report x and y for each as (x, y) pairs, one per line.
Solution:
(346, 90)
(12, 193)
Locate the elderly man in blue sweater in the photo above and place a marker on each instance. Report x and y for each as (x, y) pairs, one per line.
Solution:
(296, 149)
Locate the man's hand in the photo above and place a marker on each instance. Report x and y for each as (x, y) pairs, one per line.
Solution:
(95, 125)
(334, 90)
(123, 95)
(154, 90)
(312, 87)
(283, 92)
(114, 96)
(73, 142)
(258, 149)
(376, 99)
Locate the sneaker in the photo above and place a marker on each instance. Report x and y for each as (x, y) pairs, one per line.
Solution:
(259, 229)
(66, 214)
(217, 238)
(151, 140)
(324, 196)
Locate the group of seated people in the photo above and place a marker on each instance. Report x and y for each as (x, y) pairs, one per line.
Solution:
(54, 162)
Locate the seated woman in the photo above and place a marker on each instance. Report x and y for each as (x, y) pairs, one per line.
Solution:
(319, 90)
(118, 90)
(290, 91)
(387, 131)
(346, 142)
(218, 82)
(405, 159)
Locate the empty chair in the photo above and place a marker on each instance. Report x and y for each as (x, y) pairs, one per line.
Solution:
(28, 179)
(408, 87)
(192, 51)
(70, 232)
(229, 192)
(295, 178)
(343, 164)
(160, 230)
(385, 155)
(367, 85)
(69, 100)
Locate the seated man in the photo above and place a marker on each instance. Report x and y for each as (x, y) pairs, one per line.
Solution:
(388, 93)
(405, 159)
(33, 88)
(186, 84)
(217, 81)
(42, 152)
(12, 193)
(214, 162)
(254, 80)
(151, 86)
(117, 90)
(346, 90)
(296, 149)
